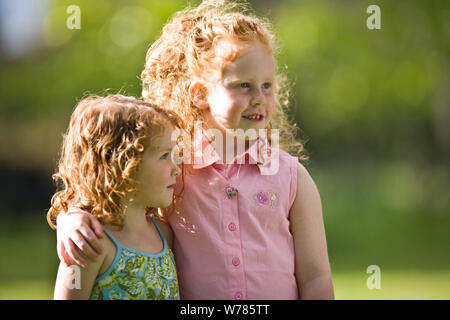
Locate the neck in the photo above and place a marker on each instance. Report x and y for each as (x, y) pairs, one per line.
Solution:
(134, 218)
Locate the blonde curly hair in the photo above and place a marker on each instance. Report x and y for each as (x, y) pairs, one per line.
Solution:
(101, 153)
(190, 47)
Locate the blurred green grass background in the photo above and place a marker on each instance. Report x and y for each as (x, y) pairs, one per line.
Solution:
(374, 104)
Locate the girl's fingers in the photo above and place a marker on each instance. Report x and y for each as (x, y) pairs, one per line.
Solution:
(83, 245)
(60, 250)
(69, 262)
(92, 239)
(73, 253)
(97, 226)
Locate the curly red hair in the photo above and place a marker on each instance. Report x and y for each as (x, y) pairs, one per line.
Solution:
(101, 153)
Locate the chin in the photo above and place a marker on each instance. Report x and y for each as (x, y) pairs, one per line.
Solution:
(164, 204)
(168, 202)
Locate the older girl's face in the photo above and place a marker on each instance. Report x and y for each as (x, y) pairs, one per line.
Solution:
(157, 173)
(244, 97)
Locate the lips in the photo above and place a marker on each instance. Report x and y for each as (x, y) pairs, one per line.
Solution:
(254, 117)
(172, 186)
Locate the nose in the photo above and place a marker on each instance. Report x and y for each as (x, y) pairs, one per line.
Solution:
(258, 96)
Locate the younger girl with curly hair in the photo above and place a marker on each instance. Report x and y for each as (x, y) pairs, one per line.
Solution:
(117, 164)
(241, 230)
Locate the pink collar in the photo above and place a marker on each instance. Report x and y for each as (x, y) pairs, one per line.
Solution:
(205, 155)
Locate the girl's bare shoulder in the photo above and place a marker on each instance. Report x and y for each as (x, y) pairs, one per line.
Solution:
(109, 253)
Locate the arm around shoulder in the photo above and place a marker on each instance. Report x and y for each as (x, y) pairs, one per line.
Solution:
(77, 233)
(312, 267)
(75, 282)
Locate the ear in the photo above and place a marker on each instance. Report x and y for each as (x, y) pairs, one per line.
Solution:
(199, 95)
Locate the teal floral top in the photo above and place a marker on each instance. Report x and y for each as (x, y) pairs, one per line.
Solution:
(136, 275)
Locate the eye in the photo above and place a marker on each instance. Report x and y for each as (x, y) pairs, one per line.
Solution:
(267, 85)
(244, 85)
(165, 156)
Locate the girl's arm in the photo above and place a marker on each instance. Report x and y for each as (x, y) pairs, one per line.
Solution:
(312, 267)
(74, 282)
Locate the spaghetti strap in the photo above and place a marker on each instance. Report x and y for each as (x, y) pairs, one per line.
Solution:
(122, 247)
(160, 233)
(116, 242)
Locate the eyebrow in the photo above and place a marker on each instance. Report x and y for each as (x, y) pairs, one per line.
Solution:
(169, 148)
(158, 150)
(248, 79)
(164, 150)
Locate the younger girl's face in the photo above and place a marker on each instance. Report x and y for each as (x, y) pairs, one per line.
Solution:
(244, 97)
(157, 172)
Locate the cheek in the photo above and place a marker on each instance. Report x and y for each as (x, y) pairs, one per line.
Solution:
(270, 106)
(225, 111)
(146, 181)
(237, 103)
(220, 104)
(151, 176)
(227, 104)
(270, 98)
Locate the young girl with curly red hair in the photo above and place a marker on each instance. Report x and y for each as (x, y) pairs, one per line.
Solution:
(116, 163)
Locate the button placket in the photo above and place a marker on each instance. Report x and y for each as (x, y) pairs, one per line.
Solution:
(235, 270)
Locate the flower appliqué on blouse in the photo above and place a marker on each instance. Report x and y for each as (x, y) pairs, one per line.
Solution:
(267, 198)
(231, 191)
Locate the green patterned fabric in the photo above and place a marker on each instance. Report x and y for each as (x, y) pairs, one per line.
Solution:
(136, 275)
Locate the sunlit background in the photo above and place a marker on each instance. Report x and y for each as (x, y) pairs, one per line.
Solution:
(373, 104)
